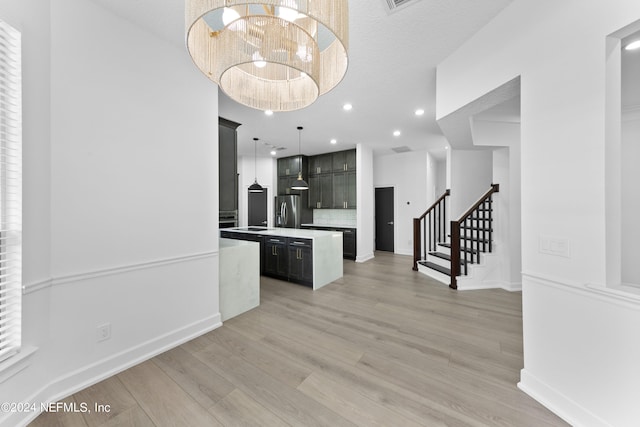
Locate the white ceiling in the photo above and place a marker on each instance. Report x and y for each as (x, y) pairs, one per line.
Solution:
(392, 60)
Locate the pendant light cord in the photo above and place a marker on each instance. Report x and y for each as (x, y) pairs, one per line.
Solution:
(299, 149)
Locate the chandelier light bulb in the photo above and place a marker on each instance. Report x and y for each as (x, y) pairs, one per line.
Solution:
(229, 15)
(288, 14)
(258, 60)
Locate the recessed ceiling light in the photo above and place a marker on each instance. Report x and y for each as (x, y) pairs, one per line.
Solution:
(269, 113)
(396, 133)
(273, 152)
(419, 112)
(347, 107)
(633, 45)
(446, 147)
(334, 141)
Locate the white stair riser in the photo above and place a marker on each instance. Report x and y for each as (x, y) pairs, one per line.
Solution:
(439, 261)
(442, 278)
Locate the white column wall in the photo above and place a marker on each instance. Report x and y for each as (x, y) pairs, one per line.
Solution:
(365, 204)
(580, 346)
(630, 198)
(120, 200)
(407, 174)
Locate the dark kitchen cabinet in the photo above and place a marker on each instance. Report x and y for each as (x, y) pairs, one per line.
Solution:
(349, 248)
(288, 169)
(321, 191)
(276, 257)
(321, 164)
(349, 243)
(285, 258)
(335, 190)
(301, 261)
(344, 190)
(344, 161)
(289, 166)
(228, 165)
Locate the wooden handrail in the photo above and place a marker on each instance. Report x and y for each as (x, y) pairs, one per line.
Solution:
(495, 188)
(437, 202)
(456, 247)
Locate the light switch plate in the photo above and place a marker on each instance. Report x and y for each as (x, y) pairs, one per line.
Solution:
(554, 245)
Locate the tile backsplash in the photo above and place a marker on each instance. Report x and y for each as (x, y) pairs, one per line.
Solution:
(334, 217)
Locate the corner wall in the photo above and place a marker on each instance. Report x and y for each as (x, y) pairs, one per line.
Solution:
(120, 200)
(580, 351)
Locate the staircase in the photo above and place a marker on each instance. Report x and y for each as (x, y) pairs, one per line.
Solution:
(450, 257)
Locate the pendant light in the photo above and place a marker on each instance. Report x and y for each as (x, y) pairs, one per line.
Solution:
(255, 187)
(278, 55)
(300, 184)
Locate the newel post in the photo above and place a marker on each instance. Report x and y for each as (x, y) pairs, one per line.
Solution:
(416, 243)
(455, 253)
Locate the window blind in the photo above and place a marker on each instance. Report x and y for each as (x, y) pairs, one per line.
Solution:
(10, 191)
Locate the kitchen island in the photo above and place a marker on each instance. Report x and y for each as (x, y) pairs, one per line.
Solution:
(308, 257)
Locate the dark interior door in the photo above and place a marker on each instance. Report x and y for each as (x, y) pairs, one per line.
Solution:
(384, 219)
(257, 209)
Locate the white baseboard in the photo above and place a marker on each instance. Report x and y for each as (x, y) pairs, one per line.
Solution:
(91, 374)
(497, 284)
(365, 258)
(558, 403)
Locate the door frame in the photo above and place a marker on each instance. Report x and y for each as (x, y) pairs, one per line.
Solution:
(395, 213)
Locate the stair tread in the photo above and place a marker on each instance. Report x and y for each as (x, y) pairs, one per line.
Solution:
(438, 268)
(446, 257)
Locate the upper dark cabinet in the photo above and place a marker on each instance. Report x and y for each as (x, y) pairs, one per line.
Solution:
(288, 168)
(321, 164)
(321, 191)
(344, 190)
(344, 161)
(228, 164)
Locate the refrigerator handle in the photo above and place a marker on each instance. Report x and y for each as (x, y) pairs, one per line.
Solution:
(284, 214)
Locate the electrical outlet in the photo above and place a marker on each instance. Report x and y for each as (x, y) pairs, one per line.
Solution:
(103, 332)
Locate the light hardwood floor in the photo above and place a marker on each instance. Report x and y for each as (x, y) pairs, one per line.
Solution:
(383, 346)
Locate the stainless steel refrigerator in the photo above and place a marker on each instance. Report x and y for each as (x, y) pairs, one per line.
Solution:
(292, 211)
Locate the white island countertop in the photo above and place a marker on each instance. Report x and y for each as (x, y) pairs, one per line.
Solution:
(327, 259)
(297, 233)
(329, 225)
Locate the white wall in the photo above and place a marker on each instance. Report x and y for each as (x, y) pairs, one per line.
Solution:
(266, 170)
(471, 177)
(407, 174)
(365, 204)
(431, 180)
(120, 201)
(441, 177)
(506, 173)
(630, 198)
(580, 346)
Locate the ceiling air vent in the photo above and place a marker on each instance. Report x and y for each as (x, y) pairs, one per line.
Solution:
(393, 5)
(402, 149)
